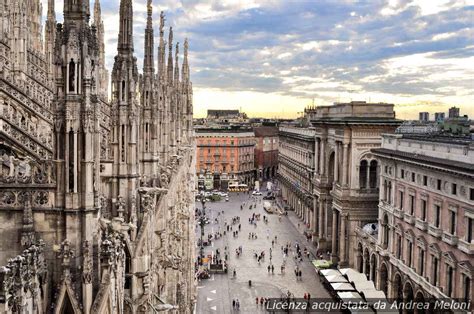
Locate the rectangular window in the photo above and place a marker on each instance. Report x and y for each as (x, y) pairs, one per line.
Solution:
(425, 180)
(452, 227)
(438, 185)
(410, 253)
(454, 189)
(399, 247)
(435, 271)
(422, 262)
(469, 230)
(413, 175)
(423, 210)
(412, 204)
(437, 213)
(449, 281)
(401, 200)
(402, 174)
(471, 194)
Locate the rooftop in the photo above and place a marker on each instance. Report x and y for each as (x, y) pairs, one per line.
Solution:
(263, 131)
(354, 110)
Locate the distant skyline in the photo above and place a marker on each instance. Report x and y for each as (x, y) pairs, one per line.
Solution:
(272, 58)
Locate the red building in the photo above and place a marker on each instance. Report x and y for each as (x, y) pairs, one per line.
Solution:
(266, 151)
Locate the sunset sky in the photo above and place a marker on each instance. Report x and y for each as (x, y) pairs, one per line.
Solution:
(272, 58)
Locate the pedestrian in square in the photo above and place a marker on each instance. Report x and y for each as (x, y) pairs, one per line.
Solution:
(273, 269)
(233, 303)
(256, 300)
(268, 268)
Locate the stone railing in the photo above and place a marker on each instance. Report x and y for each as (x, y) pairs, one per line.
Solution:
(466, 247)
(41, 133)
(31, 144)
(307, 132)
(19, 93)
(435, 231)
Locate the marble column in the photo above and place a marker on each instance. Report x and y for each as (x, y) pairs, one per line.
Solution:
(342, 239)
(345, 168)
(322, 168)
(336, 163)
(316, 155)
(334, 256)
(321, 218)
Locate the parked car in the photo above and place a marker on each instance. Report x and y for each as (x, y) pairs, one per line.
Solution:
(256, 193)
(269, 197)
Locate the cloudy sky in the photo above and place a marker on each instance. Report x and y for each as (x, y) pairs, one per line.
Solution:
(272, 58)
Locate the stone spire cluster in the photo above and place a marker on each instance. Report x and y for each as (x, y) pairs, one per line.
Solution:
(103, 74)
(102, 190)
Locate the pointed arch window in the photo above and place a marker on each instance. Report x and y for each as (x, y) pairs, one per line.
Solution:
(72, 76)
(123, 89)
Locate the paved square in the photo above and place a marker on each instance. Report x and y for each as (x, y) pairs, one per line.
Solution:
(215, 295)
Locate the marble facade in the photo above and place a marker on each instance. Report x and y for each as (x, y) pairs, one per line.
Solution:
(96, 195)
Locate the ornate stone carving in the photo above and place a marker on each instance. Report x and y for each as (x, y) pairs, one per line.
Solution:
(87, 262)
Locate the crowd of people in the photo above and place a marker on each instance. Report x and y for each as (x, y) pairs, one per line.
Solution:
(299, 253)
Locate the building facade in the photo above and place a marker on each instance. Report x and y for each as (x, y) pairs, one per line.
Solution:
(296, 170)
(224, 155)
(425, 244)
(96, 197)
(345, 181)
(266, 152)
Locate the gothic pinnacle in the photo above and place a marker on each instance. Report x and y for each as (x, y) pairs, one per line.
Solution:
(149, 20)
(170, 56)
(176, 64)
(125, 42)
(148, 63)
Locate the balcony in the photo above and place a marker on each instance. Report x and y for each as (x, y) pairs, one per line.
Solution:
(397, 212)
(435, 231)
(409, 218)
(421, 224)
(386, 206)
(466, 247)
(450, 238)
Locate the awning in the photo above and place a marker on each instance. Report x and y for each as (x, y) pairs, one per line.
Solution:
(364, 285)
(329, 272)
(350, 296)
(373, 296)
(342, 286)
(335, 278)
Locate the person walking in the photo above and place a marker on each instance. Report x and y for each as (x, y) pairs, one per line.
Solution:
(268, 268)
(233, 303)
(273, 269)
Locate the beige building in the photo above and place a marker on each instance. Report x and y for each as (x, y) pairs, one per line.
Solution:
(96, 197)
(296, 170)
(224, 155)
(346, 172)
(424, 246)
